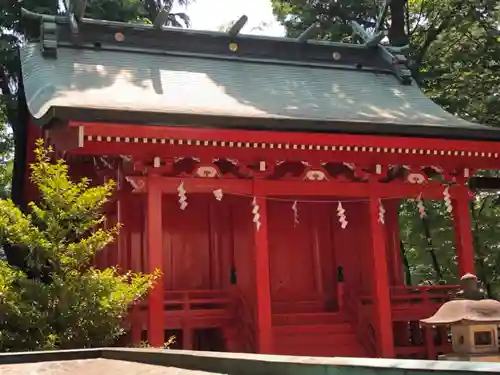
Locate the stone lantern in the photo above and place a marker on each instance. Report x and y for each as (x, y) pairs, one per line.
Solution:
(474, 324)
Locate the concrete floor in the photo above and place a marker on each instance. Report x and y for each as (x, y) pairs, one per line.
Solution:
(93, 367)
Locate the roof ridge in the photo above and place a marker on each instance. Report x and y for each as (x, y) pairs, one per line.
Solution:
(80, 31)
(242, 59)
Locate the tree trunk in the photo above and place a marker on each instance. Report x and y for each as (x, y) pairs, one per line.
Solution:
(406, 264)
(482, 269)
(397, 34)
(430, 249)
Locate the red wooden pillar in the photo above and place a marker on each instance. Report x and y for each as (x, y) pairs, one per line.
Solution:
(123, 216)
(381, 296)
(154, 233)
(393, 242)
(135, 235)
(463, 234)
(264, 318)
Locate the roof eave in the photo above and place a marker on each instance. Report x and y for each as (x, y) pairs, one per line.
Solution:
(285, 124)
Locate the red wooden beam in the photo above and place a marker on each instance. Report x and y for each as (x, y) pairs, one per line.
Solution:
(148, 151)
(210, 134)
(138, 141)
(296, 188)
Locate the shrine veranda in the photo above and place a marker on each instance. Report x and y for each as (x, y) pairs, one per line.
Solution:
(262, 176)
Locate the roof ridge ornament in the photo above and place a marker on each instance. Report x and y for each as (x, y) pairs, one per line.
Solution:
(162, 17)
(48, 39)
(75, 10)
(236, 27)
(396, 60)
(309, 33)
(392, 55)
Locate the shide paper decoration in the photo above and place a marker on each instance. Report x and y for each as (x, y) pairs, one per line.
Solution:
(218, 194)
(381, 212)
(421, 207)
(341, 212)
(342, 217)
(255, 212)
(295, 213)
(182, 196)
(447, 200)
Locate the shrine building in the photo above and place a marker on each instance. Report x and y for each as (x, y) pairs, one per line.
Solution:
(261, 175)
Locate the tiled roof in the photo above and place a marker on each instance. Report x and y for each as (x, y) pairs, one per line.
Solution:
(169, 83)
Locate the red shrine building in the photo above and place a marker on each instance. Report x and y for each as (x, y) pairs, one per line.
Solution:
(261, 175)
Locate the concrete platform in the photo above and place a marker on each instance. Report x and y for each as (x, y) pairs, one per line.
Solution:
(99, 366)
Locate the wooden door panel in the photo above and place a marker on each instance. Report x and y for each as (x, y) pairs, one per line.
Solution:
(291, 255)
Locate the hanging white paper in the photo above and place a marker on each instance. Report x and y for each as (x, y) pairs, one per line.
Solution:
(342, 217)
(182, 196)
(256, 215)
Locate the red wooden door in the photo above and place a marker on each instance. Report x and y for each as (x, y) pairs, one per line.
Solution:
(291, 254)
(194, 241)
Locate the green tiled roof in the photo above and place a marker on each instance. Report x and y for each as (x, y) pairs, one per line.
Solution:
(169, 84)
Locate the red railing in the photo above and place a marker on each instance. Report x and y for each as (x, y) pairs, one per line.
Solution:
(360, 317)
(422, 295)
(407, 304)
(187, 300)
(191, 308)
(245, 321)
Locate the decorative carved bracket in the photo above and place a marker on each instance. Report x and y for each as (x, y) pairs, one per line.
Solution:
(138, 183)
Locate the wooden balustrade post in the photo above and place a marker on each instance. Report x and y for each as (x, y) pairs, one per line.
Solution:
(429, 343)
(187, 331)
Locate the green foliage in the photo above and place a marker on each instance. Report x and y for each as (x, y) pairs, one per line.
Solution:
(79, 306)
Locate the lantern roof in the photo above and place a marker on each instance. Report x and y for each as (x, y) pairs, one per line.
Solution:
(466, 311)
(92, 70)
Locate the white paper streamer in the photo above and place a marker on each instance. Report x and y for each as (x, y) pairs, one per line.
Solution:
(342, 217)
(295, 214)
(447, 200)
(256, 215)
(182, 196)
(421, 207)
(381, 212)
(218, 194)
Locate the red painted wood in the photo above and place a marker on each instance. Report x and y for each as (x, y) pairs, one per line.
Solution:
(382, 302)
(393, 247)
(197, 133)
(264, 323)
(187, 246)
(136, 248)
(313, 190)
(198, 248)
(154, 231)
(463, 235)
(242, 246)
(300, 257)
(150, 150)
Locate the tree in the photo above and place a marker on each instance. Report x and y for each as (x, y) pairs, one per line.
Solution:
(454, 55)
(12, 35)
(62, 302)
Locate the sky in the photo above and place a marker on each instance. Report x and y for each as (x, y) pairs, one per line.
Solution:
(212, 14)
